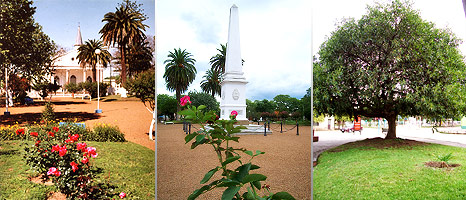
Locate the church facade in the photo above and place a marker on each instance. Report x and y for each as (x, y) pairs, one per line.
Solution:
(67, 69)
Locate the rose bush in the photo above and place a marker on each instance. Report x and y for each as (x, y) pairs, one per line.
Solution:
(219, 135)
(57, 154)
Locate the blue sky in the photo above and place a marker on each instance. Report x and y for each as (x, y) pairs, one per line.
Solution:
(275, 34)
(60, 18)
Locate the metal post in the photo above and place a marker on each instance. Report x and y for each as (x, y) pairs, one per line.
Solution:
(98, 110)
(257, 122)
(269, 125)
(281, 127)
(6, 113)
(297, 128)
(184, 126)
(265, 128)
(189, 128)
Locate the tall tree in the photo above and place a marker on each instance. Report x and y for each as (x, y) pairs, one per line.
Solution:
(202, 98)
(211, 82)
(218, 61)
(88, 56)
(123, 27)
(179, 72)
(390, 63)
(139, 57)
(23, 45)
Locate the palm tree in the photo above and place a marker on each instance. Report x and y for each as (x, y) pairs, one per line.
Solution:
(139, 57)
(123, 27)
(179, 72)
(87, 55)
(218, 61)
(211, 83)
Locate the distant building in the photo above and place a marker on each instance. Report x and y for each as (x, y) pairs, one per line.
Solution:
(67, 69)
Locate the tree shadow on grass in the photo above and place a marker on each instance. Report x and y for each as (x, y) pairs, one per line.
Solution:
(8, 152)
(29, 118)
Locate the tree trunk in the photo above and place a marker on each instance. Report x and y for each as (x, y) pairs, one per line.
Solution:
(178, 106)
(123, 66)
(391, 127)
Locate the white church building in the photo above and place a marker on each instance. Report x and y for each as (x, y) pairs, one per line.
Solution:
(67, 69)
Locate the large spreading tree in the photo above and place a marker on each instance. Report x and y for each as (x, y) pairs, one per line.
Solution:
(24, 48)
(389, 63)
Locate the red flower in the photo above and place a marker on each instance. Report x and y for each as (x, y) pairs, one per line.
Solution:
(56, 148)
(73, 138)
(234, 113)
(81, 146)
(34, 134)
(53, 171)
(85, 160)
(74, 166)
(62, 151)
(51, 134)
(184, 100)
(56, 129)
(37, 143)
(20, 131)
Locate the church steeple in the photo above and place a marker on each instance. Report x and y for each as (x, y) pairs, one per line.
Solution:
(79, 40)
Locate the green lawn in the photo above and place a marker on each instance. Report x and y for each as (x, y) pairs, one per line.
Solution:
(361, 172)
(126, 165)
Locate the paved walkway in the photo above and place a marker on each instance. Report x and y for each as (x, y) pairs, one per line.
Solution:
(331, 139)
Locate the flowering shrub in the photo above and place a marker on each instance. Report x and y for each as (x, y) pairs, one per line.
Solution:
(9, 133)
(57, 154)
(218, 136)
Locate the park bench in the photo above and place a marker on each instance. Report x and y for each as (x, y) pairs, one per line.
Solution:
(168, 123)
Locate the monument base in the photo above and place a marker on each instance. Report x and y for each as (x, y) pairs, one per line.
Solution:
(253, 129)
(98, 111)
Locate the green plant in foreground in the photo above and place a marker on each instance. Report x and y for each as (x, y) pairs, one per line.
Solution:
(218, 134)
(445, 158)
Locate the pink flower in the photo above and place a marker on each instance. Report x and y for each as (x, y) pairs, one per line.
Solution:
(234, 113)
(184, 100)
(34, 134)
(85, 160)
(56, 129)
(74, 166)
(81, 146)
(91, 151)
(53, 171)
(122, 195)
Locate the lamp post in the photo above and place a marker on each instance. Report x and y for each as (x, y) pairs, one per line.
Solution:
(6, 113)
(98, 110)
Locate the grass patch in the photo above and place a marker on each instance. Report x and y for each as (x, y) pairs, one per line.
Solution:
(128, 166)
(361, 170)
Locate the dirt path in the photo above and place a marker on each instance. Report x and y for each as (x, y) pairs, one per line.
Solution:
(286, 163)
(130, 116)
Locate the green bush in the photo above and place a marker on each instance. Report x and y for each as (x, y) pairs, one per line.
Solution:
(91, 88)
(48, 113)
(72, 87)
(106, 133)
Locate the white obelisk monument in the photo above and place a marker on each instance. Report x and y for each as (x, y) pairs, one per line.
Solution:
(234, 83)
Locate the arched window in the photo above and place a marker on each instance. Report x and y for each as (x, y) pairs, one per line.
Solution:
(56, 80)
(89, 79)
(73, 79)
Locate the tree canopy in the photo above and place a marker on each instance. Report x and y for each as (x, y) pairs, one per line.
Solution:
(23, 45)
(388, 63)
(202, 98)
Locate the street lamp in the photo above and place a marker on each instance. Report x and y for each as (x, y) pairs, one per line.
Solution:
(98, 110)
